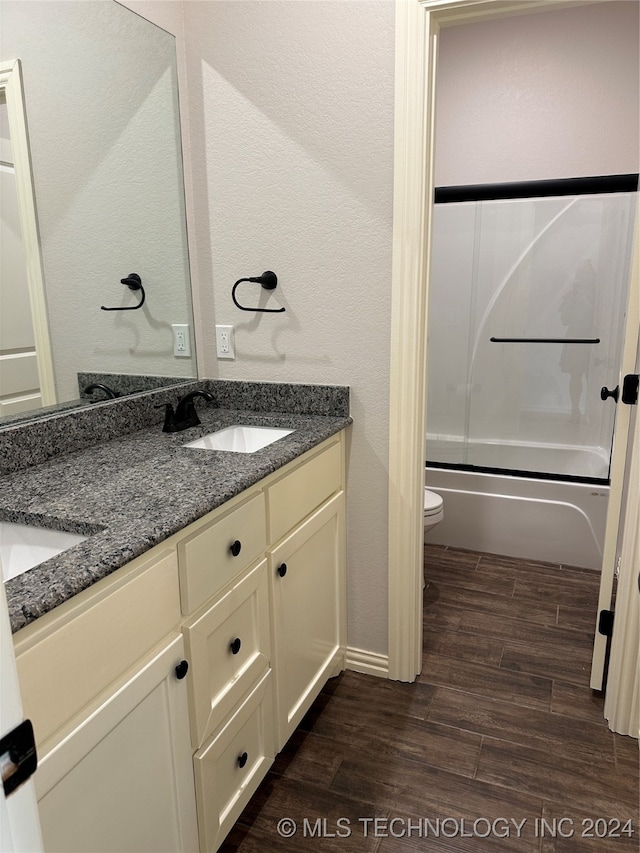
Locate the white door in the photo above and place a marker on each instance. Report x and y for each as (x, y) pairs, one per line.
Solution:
(19, 378)
(21, 248)
(613, 543)
(622, 703)
(19, 822)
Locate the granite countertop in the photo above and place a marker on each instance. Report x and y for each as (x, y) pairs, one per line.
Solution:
(131, 493)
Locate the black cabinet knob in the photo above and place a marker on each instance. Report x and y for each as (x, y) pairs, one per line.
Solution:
(242, 759)
(235, 547)
(604, 393)
(234, 645)
(182, 669)
(282, 569)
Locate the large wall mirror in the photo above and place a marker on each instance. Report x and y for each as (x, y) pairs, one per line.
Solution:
(100, 108)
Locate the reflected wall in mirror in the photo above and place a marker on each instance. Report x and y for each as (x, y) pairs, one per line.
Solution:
(101, 105)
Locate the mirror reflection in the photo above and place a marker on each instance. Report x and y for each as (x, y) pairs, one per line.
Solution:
(100, 108)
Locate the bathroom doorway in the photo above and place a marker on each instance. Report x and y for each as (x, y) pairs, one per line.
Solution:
(418, 28)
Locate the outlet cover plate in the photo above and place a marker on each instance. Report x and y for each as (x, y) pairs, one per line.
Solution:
(225, 346)
(181, 340)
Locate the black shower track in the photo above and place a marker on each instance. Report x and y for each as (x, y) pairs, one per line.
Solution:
(538, 189)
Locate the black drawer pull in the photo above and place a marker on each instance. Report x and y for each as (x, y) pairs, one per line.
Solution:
(242, 759)
(235, 547)
(282, 569)
(234, 645)
(182, 669)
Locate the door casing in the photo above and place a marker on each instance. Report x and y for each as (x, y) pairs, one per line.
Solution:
(418, 23)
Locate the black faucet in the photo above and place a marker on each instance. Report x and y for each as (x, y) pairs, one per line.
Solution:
(98, 386)
(185, 415)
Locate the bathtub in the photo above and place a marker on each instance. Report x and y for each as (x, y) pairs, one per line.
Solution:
(543, 520)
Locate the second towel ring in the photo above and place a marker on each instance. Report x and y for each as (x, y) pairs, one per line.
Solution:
(269, 281)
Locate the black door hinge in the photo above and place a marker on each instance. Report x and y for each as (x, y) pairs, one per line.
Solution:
(18, 757)
(630, 389)
(605, 623)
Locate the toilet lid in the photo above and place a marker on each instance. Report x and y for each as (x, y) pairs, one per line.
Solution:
(432, 502)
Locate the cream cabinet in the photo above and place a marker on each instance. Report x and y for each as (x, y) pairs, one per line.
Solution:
(263, 591)
(101, 679)
(121, 780)
(229, 646)
(229, 766)
(306, 570)
(160, 696)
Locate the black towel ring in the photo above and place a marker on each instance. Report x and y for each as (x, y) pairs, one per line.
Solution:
(269, 281)
(133, 282)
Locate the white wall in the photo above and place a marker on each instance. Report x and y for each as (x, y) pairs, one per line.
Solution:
(288, 127)
(289, 122)
(291, 129)
(546, 95)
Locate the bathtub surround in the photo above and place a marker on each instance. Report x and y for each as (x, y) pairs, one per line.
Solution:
(548, 520)
(28, 444)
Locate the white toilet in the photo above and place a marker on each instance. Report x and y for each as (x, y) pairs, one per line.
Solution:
(433, 513)
(433, 509)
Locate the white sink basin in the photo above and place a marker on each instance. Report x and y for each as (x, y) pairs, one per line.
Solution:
(22, 546)
(240, 439)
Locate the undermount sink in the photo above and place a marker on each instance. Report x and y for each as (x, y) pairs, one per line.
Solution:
(23, 546)
(240, 439)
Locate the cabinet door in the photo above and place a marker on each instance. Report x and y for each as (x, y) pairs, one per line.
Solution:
(229, 648)
(307, 575)
(122, 780)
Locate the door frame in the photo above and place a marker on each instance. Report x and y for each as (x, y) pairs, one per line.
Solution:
(13, 90)
(418, 23)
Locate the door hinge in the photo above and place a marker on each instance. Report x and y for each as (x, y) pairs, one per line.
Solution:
(630, 389)
(605, 623)
(18, 757)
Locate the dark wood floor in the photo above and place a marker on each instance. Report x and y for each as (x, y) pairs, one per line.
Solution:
(500, 732)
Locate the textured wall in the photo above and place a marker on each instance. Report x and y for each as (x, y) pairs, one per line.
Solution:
(289, 149)
(547, 95)
(291, 128)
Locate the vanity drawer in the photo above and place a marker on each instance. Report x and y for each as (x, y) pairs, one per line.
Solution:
(216, 553)
(229, 648)
(296, 495)
(229, 769)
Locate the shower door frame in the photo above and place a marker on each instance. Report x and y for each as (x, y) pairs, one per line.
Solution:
(531, 191)
(417, 27)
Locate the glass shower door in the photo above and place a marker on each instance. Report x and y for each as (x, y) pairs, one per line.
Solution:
(529, 298)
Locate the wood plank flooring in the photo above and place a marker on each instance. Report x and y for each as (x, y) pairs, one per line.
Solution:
(500, 745)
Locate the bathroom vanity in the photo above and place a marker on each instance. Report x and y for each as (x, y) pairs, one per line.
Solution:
(161, 693)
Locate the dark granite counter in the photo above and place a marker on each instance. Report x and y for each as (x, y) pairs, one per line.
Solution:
(132, 492)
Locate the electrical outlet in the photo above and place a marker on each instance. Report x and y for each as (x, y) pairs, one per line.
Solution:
(224, 342)
(181, 339)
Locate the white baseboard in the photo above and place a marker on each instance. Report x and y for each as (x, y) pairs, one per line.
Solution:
(370, 663)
